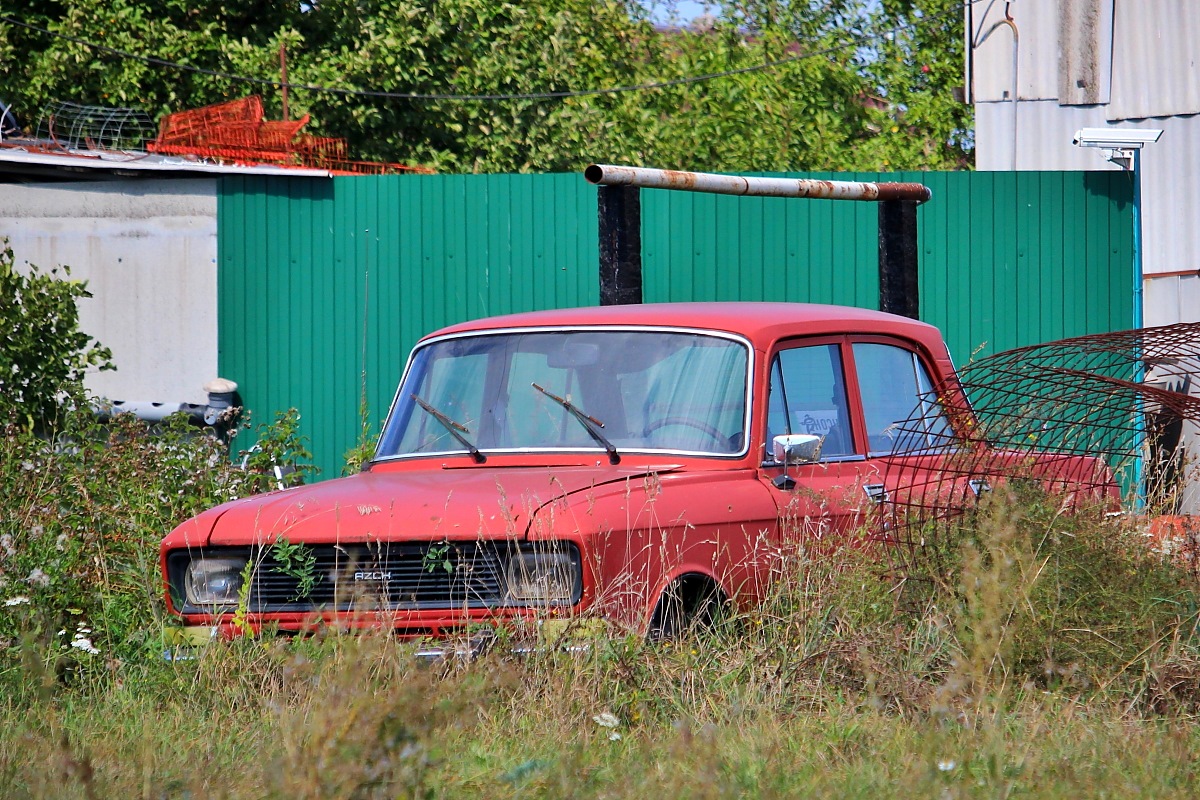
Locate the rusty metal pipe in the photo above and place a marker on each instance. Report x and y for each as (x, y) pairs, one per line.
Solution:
(609, 175)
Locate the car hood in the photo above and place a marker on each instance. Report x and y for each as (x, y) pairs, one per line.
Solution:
(434, 504)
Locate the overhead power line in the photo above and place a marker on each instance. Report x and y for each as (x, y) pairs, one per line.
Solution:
(666, 84)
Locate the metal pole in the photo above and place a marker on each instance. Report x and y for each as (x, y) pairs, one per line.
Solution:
(1139, 465)
(283, 78)
(1138, 311)
(609, 175)
(620, 214)
(899, 291)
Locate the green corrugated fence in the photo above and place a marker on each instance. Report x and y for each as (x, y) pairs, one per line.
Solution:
(325, 284)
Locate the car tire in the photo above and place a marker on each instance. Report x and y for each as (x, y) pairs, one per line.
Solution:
(689, 604)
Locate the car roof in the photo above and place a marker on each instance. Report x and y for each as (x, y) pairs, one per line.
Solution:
(760, 322)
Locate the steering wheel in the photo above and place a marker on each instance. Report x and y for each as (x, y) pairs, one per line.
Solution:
(689, 422)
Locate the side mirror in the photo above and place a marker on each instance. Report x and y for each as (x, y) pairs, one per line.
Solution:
(797, 448)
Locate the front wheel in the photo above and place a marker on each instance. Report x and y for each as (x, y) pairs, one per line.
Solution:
(690, 604)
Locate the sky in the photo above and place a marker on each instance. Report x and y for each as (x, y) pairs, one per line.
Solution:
(685, 10)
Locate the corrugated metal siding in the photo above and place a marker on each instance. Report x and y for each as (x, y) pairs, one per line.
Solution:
(1037, 28)
(1156, 51)
(306, 264)
(1176, 298)
(1059, 245)
(1043, 137)
(714, 247)
(1156, 47)
(1151, 47)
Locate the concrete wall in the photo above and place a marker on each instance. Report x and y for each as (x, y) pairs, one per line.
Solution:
(148, 251)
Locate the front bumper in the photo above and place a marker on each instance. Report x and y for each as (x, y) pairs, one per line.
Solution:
(574, 634)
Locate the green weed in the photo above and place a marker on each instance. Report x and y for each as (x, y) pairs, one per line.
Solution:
(81, 517)
(297, 561)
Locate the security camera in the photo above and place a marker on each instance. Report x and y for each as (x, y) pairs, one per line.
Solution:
(1115, 138)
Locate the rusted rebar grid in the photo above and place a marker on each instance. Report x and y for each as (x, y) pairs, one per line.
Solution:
(1110, 419)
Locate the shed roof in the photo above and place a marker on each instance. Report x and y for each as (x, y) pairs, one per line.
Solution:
(18, 163)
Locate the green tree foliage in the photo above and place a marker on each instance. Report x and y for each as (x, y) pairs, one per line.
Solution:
(919, 72)
(803, 114)
(818, 109)
(43, 353)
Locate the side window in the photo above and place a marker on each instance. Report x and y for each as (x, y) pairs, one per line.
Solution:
(808, 395)
(901, 410)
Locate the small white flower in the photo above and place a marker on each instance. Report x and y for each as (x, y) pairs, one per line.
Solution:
(6, 542)
(946, 765)
(61, 542)
(37, 530)
(606, 720)
(613, 736)
(83, 643)
(38, 578)
(17, 601)
(27, 466)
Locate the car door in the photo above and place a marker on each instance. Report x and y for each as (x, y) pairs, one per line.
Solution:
(910, 445)
(822, 502)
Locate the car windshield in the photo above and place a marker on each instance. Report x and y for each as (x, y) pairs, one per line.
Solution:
(599, 389)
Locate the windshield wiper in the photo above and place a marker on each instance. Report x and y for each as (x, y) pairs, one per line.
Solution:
(590, 424)
(456, 430)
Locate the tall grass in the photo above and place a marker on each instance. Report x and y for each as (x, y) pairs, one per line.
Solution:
(1053, 655)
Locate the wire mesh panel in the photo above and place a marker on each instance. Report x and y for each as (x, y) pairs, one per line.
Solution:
(1093, 419)
(77, 127)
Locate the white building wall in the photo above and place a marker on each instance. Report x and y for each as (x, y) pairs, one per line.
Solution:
(148, 251)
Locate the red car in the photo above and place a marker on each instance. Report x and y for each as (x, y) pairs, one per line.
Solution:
(643, 463)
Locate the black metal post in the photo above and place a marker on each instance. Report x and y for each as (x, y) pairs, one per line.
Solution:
(620, 213)
(898, 288)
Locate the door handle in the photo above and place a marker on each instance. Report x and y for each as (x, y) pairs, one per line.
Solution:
(978, 486)
(877, 492)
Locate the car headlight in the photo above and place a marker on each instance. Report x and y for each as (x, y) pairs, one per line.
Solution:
(212, 581)
(543, 578)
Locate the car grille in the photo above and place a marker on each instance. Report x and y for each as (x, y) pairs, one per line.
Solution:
(383, 575)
